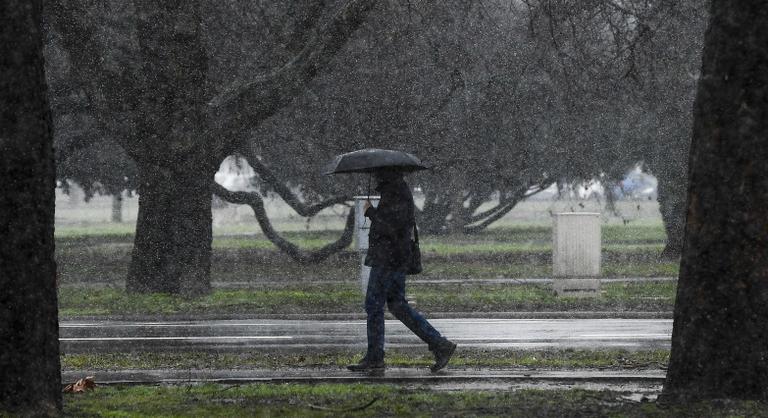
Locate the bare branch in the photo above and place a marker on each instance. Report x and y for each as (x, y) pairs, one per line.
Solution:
(504, 207)
(501, 210)
(490, 212)
(286, 193)
(255, 201)
(244, 106)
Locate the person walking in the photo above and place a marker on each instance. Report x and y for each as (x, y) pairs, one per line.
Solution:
(393, 225)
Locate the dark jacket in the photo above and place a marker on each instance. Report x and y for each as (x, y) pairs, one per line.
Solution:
(392, 222)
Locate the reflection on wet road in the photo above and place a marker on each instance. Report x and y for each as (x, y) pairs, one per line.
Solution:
(252, 335)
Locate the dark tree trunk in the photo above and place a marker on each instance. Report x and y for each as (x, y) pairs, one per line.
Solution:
(720, 334)
(30, 381)
(117, 208)
(672, 186)
(433, 216)
(172, 246)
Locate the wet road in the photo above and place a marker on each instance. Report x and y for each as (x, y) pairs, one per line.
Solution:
(299, 335)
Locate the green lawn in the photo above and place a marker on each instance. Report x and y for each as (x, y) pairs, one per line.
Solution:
(102, 254)
(465, 357)
(345, 298)
(374, 400)
(493, 239)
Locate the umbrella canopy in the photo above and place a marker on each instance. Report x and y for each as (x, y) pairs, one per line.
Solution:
(372, 159)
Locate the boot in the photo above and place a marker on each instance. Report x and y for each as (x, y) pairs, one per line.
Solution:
(367, 366)
(442, 355)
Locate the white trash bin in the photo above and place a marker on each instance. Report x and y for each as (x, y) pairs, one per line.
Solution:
(576, 253)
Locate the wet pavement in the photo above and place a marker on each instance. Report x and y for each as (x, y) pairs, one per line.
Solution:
(301, 335)
(447, 379)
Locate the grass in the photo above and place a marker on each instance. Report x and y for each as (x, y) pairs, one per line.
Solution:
(279, 285)
(501, 238)
(465, 357)
(345, 298)
(113, 230)
(259, 268)
(491, 269)
(364, 400)
(77, 302)
(102, 253)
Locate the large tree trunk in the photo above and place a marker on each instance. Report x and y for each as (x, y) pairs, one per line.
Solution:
(720, 334)
(29, 329)
(172, 246)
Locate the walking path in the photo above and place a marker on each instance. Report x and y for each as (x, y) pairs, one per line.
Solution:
(468, 377)
(299, 335)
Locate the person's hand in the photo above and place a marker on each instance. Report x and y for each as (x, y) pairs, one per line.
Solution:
(366, 205)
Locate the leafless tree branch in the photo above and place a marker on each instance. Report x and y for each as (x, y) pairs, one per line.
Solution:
(285, 192)
(245, 105)
(255, 201)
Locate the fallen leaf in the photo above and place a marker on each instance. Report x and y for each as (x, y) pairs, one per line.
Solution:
(81, 385)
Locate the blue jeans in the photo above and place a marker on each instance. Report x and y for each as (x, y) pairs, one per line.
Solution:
(389, 286)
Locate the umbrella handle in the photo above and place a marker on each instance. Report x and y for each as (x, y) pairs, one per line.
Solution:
(368, 193)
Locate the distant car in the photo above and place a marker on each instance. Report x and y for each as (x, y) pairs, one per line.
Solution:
(639, 185)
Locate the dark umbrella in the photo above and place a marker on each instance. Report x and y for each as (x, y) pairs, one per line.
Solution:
(372, 159)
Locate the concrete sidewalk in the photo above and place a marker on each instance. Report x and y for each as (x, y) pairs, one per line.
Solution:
(105, 336)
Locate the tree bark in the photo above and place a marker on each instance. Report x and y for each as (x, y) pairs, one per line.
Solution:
(172, 246)
(433, 216)
(672, 184)
(117, 208)
(29, 329)
(720, 336)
